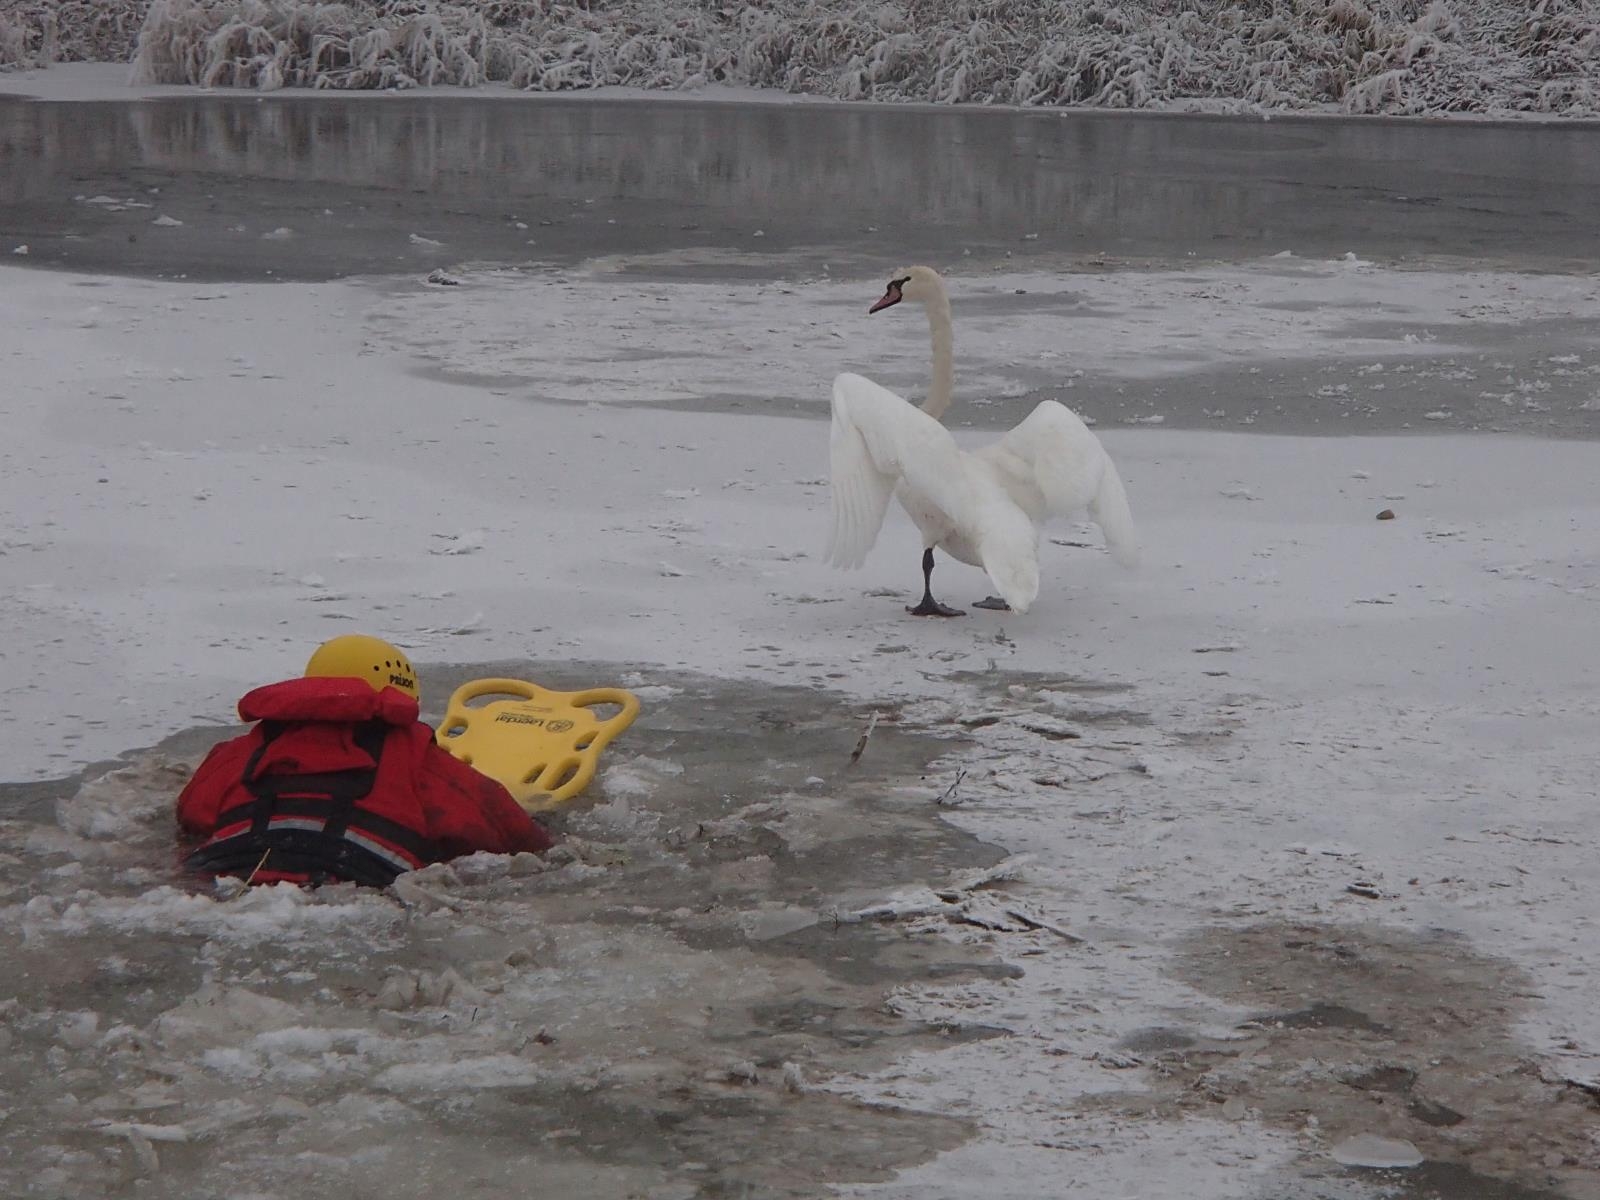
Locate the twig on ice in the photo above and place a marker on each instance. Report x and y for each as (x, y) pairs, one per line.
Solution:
(866, 735)
(948, 796)
(1033, 922)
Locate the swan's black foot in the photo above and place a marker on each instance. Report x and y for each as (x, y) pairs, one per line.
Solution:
(992, 603)
(929, 606)
(932, 608)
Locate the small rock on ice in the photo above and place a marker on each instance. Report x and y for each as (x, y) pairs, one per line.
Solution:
(1369, 1150)
(471, 625)
(1158, 766)
(462, 543)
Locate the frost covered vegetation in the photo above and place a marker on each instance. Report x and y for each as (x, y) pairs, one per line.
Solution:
(35, 32)
(1392, 56)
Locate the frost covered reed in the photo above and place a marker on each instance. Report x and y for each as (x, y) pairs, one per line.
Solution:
(1365, 56)
(38, 32)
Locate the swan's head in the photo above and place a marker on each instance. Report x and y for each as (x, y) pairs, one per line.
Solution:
(918, 284)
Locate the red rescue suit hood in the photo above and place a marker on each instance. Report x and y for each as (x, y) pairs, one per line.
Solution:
(327, 699)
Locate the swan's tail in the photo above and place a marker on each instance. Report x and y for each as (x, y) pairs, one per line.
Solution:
(1109, 508)
(1016, 579)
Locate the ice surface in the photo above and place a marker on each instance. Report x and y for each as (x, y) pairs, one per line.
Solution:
(1438, 745)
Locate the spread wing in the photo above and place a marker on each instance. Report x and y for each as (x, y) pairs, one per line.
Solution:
(1054, 465)
(1060, 454)
(877, 439)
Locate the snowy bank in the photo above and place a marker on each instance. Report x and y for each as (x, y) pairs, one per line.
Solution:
(1362, 56)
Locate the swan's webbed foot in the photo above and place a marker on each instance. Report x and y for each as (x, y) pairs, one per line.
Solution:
(992, 603)
(932, 608)
(929, 606)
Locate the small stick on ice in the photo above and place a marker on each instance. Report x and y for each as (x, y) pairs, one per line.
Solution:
(256, 870)
(150, 1133)
(948, 796)
(866, 735)
(1033, 922)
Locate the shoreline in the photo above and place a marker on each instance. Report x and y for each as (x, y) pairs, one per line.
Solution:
(65, 83)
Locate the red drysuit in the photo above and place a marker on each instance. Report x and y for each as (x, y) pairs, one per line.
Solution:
(341, 782)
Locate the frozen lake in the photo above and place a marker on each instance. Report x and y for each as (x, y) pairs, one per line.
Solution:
(1295, 822)
(753, 189)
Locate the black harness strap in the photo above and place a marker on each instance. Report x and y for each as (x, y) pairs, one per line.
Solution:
(346, 786)
(327, 795)
(321, 809)
(296, 852)
(370, 737)
(262, 808)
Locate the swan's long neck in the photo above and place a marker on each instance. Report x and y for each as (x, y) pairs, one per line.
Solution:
(943, 337)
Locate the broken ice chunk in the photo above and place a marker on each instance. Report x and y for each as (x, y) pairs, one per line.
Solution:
(1369, 1150)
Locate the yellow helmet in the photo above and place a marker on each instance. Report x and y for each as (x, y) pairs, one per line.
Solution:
(357, 656)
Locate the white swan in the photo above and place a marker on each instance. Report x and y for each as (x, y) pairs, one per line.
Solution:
(983, 507)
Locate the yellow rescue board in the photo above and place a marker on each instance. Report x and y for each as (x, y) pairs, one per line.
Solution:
(542, 745)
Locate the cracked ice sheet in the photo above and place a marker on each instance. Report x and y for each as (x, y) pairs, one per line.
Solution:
(1418, 692)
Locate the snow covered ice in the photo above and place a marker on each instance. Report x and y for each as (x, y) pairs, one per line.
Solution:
(1305, 803)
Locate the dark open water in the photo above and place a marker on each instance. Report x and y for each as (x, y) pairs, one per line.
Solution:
(354, 179)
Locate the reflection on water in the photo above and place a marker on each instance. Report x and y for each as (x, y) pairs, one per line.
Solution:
(355, 177)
